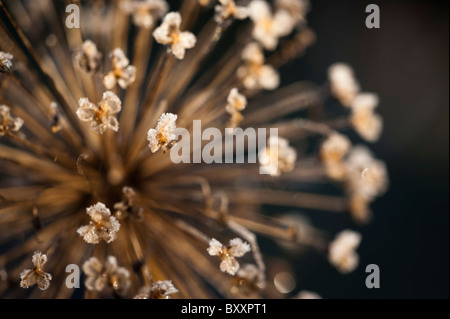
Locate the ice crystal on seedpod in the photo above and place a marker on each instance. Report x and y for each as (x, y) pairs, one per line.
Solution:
(145, 13)
(88, 58)
(236, 248)
(169, 33)
(102, 116)
(364, 119)
(269, 27)
(277, 157)
(228, 9)
(8, 123)
(102, 225)
(254, 73)
(122, 73)
(99, 276)
(342, 251)
(5, 61)
(164, 133)
(36, 275)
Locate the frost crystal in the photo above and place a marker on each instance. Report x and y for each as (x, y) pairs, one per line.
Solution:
(236, 248)
(332, 152)
(7, 122)
(145, 13)
(342, 251)
(255, 74)
(110, 274)
(163, 289)
(274, 164)
(269, 28)
(36, 275)
(343, 84)
(228, 9)
(169, 33)
(236, 102)
(5, 61)
(88, 58)
(296, 8)
(102, 225)
(164, 133)
(122, 73)
(364, 119)
(102, 116)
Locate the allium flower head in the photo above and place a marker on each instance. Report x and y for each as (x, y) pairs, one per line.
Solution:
(164, 133)
(102, 225)
(86, 164)
(169, 33)
(36, 275)
(269, 28)
(228, 254)
(122, 73)
(99, 276)
(8, 123)
(145, 13)
(102, 116)
(342, 251)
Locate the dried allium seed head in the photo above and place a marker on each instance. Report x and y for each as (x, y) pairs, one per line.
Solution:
(343, 84)
(99, 276)
(8, 123)
(273, 163)
(342, 251)
(254, 74)
(169, 33)
(102, 225)
(269, 28)
(122, 73)
(163, 289)
(164, 133)
(364, 119)
(228, 9)
(5, 61)
(88, 58)
(145, 13)
(236, 248)
(103, 116)
(36, 275)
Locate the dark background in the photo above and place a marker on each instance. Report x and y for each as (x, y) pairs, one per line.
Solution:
(406, 63)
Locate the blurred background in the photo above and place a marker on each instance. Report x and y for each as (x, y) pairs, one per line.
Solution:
(406, 62)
